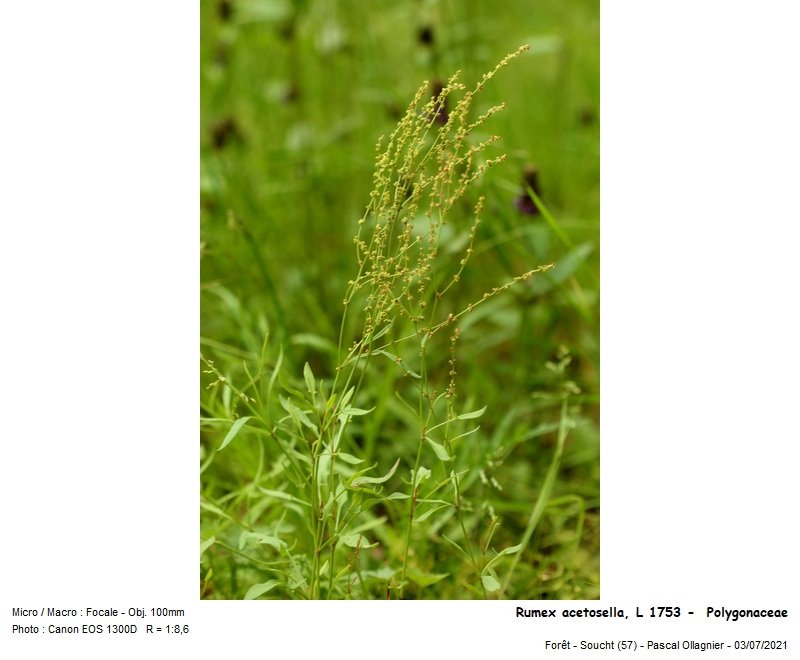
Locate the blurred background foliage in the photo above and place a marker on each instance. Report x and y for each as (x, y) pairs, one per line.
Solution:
(295, 95)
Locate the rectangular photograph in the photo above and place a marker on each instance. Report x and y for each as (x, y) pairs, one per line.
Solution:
(399, 208)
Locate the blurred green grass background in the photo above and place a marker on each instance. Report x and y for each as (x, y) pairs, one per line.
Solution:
(294, 96)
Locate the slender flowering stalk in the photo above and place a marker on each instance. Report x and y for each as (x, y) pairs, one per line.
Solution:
(422, 170)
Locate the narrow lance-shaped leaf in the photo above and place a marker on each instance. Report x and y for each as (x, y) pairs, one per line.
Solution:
(356, 541)
(420, 475)
(457, 547)
(506, 551)
(257, 537)
(347, 396)
(381, 332)
(321, 344)
(376, 480)
(473, 414)
(427, 514)
(490, 583)
(274, 375)
(237, 426)
(439, 450)
(426, 579)
(309, 377)
(280, 495)
(466, 433)
(356, 411)
(298, 416)
(398, 361)
(205, 545)
(348, 458)
(260, 589)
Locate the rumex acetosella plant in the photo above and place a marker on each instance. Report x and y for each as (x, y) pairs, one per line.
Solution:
(329, 513)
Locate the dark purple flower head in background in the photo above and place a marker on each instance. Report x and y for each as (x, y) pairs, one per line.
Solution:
(524, 202)
(425, 35)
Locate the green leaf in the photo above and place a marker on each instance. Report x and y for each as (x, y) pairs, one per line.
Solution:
(298, 416)
(439, 450)
(356, 411)
(347, 396)
(309, 376)
(213, 508)
(430, 512)
(369, 524)
(237, 426)
(506, 551)
(385, 573)
(490, 583)
(316, 342)
(275, 373)
(466, 433)
(356, 541)
(257, 537)
(337, 438)
(425, 579)
(426, 500)
(398, 361)
(337, 498)
(280, 495)
(545, 43)
(260, 589)
(210, 421)
(205, 545)
(381, 332)
(398, 496)
(394, 358)
(473, 414)
(548, 217)
(349, 458)
(458, 547)
(510, 550)
(421, 475)
(565, 268)
(376, 480)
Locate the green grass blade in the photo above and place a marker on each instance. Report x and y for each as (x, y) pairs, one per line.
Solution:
(544, 496)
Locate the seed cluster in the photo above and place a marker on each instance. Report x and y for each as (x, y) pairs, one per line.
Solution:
(421, 172)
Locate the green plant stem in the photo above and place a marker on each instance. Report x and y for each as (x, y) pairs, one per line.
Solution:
(414, 475)
(334, 513)
(231, 549)
(544, 496)
(314, 587)
(557, 230)
(457, 488)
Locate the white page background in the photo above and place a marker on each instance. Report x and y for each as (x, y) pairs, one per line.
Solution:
(99, 171)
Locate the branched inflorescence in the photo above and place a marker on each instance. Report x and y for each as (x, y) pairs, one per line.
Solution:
(421, 172)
